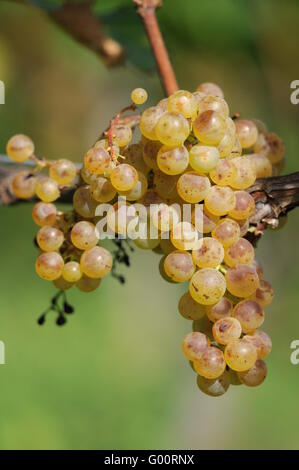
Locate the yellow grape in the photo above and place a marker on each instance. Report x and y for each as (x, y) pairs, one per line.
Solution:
(150, 152)
(44, 214)
(259, 268)
(227, 232)
(124, 177)
(84, 235)
(139, 95)
(172, 129)
(203, 158)
(72, 271)
(19, 148)
(202, 219)
(222, 309)
(223, 173)
(179, 266)
(207, 286)
(240, 355)
(49, 266)
(262, 165)
(120, 216)
(86, 176)
(173, 160)
(209, 127)
(122, 135)
(182, 102)
(264, 293)
(194, 344)
(97, 160)
(96, 262)
(255, 375)
(244, 226)
(49, 238)
(237, 148)
(165, 185)
(184, 236)
(213, 103)
(86, 284)
(271, 145)
(147, 241)
(138, 191)
(193, 187)
(62, 284)
(242, 280)
(220, 200)
(148, 121)
(134, 156)
(189, 308)
(63, 171)
(247, 133)
(245, 173)
(102, 190)
(214, 387)
(208, 254)
(244, 206)
(227, 142)
(83, 202)
(165, 217)
(23, 185)
(250, 315)
(211, 363)
(47, 189)
(265, 343)
(210, 88)
(241, 252)
(226, 330)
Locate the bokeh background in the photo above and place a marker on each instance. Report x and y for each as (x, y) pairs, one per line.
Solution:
(114, 377)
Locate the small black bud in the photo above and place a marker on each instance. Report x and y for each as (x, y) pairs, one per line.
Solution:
(68, 308)
(61, 320)
(41, 320)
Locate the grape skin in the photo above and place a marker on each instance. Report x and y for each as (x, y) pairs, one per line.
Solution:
(244, 206)
(23, 185)
(209, 127)
(184, 236)
(182, 102)
(255, 375)
(49, 238)
(96, 262)
(102, 190)
(47, 189)
(214, 387)
(122, 135)
(19, 148)
(62, 284)
(222, 309)
(207, 286)
(139, 96)
(226, 329)
(224, 172)
(138, 191)
(149, 120)
(203, 158)
(44, 214)
(211, 363)
(86, 284)
(210, 89)
(84, 235)
(194, 344)
(49, 266)
(173, 160)
(202, 219)
(245, 173)
(240, 355)
(97, 160)
(179, 266)
(250, 315)
(241, 280)
(124, 177)
(72, 271)
(241, 252)
(209, 254)
(83, 202)
(172, 129)
(134, 156)
(247, 133)
(271, 145)
(261, 341)
(227, 232)
(63, 171)
(264, 294)
(220, 200)
(189, 308)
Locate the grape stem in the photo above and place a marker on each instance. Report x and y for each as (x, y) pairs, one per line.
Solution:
(147, 10)
(114, 122)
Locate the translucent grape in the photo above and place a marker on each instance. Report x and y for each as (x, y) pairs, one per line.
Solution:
(49, 266)
(224, 172)
(250, 315)
(227, 232)
(265, 343)
(72, 271)
(120, 216)
(207, 286)
(241, 252)
(237, 149)
(244, 206)
(210, 89)
(86, 284)
(165, 217)
(226, 144)
(209, 127)
(47, 189)
(226, 330)
(264, 294)
(184, 236)
(202, 219)
(213, 103)
(150, 152)
(102, 190)
(124, 177)
(83, 202)
(139, 96)
(150, 198)
(210, 364)
(220, 200)
(214, 387)
(23, 185)
(44, 214)
(254, 376)
(138, 191)
(63, 171)
(165, 185)
(49, 238)
(182, 102)
(84, 235)
(222, 309)
(97, 160)
(173, 160)
(172, 129)
(262, 165)
(148, 121)
(245, 175)
(247, 133)
(203, 158)
(209, 253)
(122, 135)
(271, 145)
(179, 266)
(163, 104)
(259, 268)
(193, 187)
(244, 226)
(19, 148)
(62, 284)
(134, 156)
(86, 176)
(146, 241)
(189, 308)
(240, 355)
(96, 262)
(194, 344)
(242, 280)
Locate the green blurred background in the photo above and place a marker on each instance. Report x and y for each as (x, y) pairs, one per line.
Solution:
(114, 377)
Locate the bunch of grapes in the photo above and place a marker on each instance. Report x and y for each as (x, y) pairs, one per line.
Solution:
(190, 172)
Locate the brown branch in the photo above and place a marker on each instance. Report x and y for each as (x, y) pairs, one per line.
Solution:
(80, 22)
(147, 11)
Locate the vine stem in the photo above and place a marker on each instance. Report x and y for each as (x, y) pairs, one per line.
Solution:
(147, 11)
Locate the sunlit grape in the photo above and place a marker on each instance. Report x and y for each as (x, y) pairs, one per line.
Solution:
(86, 284)
(122, 135)
(184, 236)
(210, 89)
(86, 176)
(19, 148)
(179, 266)
(211, 363)
(138, 191)
(227, 232)
(264, 294)
(207, 286)
(173, 160)
(250, 315)
(240, 355)
(208, 254)
(72, 271)
(223, 173)
(259, 268)
(245, 175)
(49, 238)
(237, 148)
(241, 252)
(226, 144)
(242, 280)
(189, 308)
(97, 160)
(202, 219)
(124, 177)
(47, 189)
(172, 129)
(165, 217)
(194, 344)
(63, 171)
(244, 206)
(271, 145)
(83, 202)
(209, 127)
(222, 309)
(49, 266)
(220, 200)
(44, 214)
(193, 187)
(148, 121)
(102, 190)
(255, 375)
(264, 345)
(23, 185)
(84, 235)
(247, 132)
(182, 102)
(213, 103)
(139, 96)
(96, 262)
(226, 329)
(120, 216)
(262, 165)
(214, 387)
(203, 158)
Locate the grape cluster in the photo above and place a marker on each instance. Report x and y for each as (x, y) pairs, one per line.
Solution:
(191, 154)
